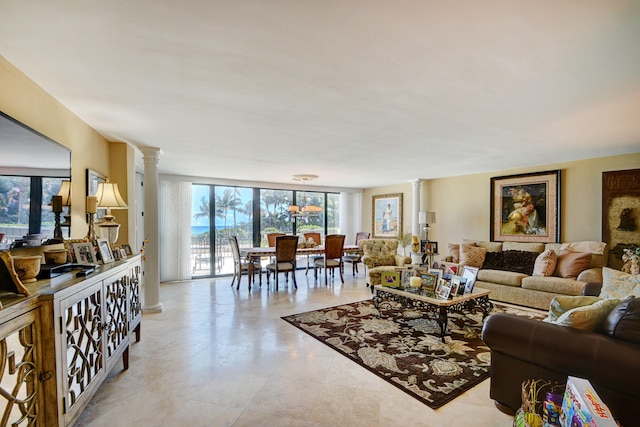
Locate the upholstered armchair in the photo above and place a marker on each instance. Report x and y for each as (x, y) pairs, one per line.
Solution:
(381, 255)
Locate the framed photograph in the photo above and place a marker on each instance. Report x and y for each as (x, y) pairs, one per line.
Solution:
(105, 251)
(387, 215)
(390, 279)
(437, 272)
(469, 273)
(127, 249)
(444, 289)
(427, 247)
(84, 253)
(116, 254)
(455, 285)
(525, 208)
(93, 179)
(123, 253)
(429, 281)
(405, 277)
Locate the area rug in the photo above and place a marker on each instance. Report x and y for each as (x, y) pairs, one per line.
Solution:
(405, 348)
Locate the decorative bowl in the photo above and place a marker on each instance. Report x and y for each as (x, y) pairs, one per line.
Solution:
(27, 267)
(55, 256)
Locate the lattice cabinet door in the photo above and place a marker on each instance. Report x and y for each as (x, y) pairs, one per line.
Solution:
(21, 392)
(135, 302)
(116, 313)
(82, 324)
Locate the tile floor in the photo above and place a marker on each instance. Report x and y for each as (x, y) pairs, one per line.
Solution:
(220, 357)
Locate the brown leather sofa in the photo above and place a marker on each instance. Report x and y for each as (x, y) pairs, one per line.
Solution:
(524, 349)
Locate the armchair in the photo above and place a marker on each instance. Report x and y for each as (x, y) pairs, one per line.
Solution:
(381, 255)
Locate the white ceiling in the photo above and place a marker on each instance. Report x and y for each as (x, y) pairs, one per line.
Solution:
(361, 93)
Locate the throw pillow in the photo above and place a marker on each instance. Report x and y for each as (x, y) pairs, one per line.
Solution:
(515, 261)
(472, 256)
(383, 260)
(624, 321)
(545, 263)
(560, 305)
(617, 284)
(570, 264)
(588, 317)
(493, 261)
(454, 251)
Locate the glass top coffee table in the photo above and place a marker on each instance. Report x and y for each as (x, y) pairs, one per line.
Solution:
(428, 301)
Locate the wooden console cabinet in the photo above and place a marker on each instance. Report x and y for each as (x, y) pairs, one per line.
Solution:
(58, 345)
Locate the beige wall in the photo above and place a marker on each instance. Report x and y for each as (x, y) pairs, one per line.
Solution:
(462, 203)
(27, 102)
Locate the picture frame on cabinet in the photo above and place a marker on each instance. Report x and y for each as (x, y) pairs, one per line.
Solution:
(105, 250)
(84, 253)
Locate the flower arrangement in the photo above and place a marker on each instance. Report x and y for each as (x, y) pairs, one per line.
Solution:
(631, 258)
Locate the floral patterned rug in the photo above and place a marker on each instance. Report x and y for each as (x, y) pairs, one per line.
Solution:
(405, 349)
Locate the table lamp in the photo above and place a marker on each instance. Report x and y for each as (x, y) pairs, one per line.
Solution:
(108, 197)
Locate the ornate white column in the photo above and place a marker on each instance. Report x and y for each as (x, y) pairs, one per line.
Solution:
(151, 157)
(415, 227)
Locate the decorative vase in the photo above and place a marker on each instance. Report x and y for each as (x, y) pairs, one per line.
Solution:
(27, 267)
(55, 256)
(415, 245)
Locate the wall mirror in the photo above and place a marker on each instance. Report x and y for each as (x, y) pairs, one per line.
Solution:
(32, 167)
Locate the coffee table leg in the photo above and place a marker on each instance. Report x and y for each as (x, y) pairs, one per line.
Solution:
(442, 321)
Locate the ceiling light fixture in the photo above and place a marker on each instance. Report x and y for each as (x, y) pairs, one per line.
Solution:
(304, 211)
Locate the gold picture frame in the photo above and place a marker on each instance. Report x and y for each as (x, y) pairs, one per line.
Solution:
(387, 216)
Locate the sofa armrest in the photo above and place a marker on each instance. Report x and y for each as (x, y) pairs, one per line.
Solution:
(592, 289)
(602, 359)
(591, 275)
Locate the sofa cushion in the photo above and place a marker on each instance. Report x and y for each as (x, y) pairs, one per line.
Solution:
(617, 284)
(472, 256)
(506, 278)
(516, 261)
(560, 305)
(545, 263)
(554, 285)
(624, 321)
(598, 251)
(587, 317)
(570, 264)
(523, 246)
(489, 246)
(454, 251)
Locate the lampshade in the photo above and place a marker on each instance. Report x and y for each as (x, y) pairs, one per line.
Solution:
(108, 196)
(65, 192)
(422, 217)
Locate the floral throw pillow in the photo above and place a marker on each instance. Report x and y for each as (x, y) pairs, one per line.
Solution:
(617, 284)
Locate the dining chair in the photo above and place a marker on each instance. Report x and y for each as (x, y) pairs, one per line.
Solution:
(271, 239)
(240, 265)
(317, 238)
(354, 257)
(332, 258)
(285, 258)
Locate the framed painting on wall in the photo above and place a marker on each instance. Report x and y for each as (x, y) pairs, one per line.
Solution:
(620, 213)
(525, 208)
(387, 215)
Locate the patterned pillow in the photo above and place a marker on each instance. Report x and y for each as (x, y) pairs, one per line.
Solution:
(545, 263)
(388, 259)
(570, 264)
(515, 261)
(472, 256)
(617, 284)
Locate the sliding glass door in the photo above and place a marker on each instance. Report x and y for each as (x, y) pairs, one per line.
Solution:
(250, 214)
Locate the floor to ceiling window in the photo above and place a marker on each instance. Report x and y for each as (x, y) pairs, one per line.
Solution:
(231, 211)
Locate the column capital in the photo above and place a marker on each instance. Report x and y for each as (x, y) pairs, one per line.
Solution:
(416, 182)
(151, 155)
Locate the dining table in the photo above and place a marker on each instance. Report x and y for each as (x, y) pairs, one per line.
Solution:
(269, 251)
